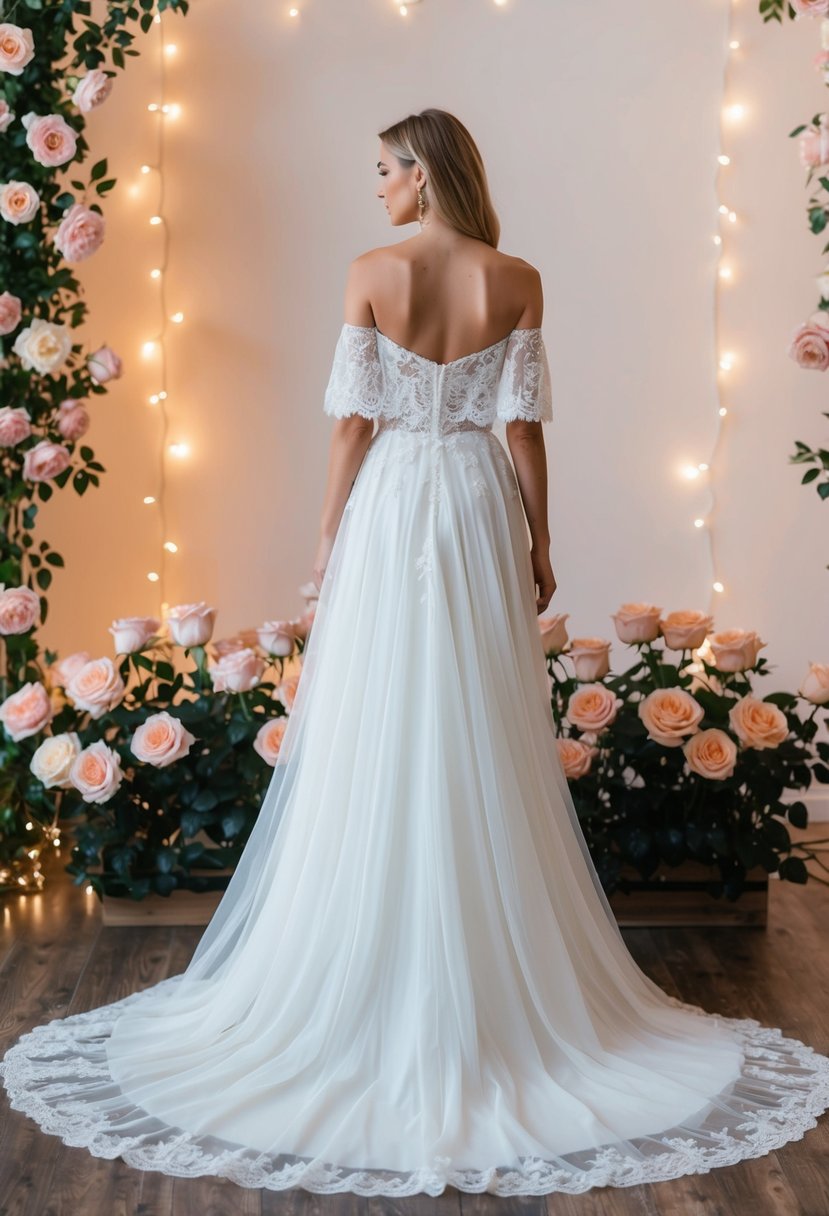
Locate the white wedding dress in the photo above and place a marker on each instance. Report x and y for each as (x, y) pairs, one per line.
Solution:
(414, 978)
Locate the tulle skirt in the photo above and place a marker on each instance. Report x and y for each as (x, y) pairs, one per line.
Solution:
(414, 978)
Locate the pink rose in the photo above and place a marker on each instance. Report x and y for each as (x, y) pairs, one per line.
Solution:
(61, 673)
(17, 48)
(223, 646)
(821, 59)
(11, 311)
(50, 138)
(92, 89)
(810, 348)
(131, 633)
(815, 685)
(810, 8)
(758, 724)
(277, 637)
(590, 657)
(669, 714)
(103, 365)
(26, 711)
(302, 624)
(161, 740)
(72, 424)
(553, 630)
(286, 690)
(96, 687)
(735, 649)
(711, 753)
(19, 202)
(6, 115)
(269, 739)
(45, 460)
(19, 609)
(593, 707)
(96, 772)
(637, 622)
(191, 624)
(576, 757)
(237, 672)
(309, 592)
(686, 629)
(80, 233)
(15, 425)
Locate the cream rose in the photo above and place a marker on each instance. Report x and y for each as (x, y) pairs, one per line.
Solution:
(269, 739)
(815, 685)
(17, 48)
(685, 629)
(50, 138)
(161, 740)
(191, 624)
(96, 687)
(80, 233)
(6, 115)
(19, 609)
(553, 630)
(759, 724)
(131, 633)
(92, 89)
(26, 711)
(19, 202)
(53, 760)
(103, 364)
(669, 714)
(637, 622)
(46, 460)
(96, 772)
(590, 657)
(823, 279)
(711, 753)
(43, 345)
(593, 707)
(576, 757)
(11, 310)
(277, 637)
(237, 672)
(735, 649)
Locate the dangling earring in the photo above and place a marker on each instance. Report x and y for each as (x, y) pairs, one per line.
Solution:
(421, 204)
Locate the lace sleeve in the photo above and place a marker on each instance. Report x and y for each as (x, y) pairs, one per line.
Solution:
(524, 389)
(356, 382)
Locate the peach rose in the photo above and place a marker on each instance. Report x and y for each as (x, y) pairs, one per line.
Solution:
(6, 115)
(758, 724)
(223, 646)
(103, 364)
(96, 772)
(131, 633)
(237, 672)
(809, 348)
(286, 690)
(61, 673)
(80, 233)
(161, 740)
(92, 89)
(735, 649)
(593, 707)
(815, 685)
(685, 629)
(576, 757)
(15, 425)
(45, 461)
(553, 630)
(11, 310)
(269, 739)
(711, 753)
(72, 424)
(43, 345)
(637, 622)
(50, 138)
(96, 687)
(669, 714)
(19, 202)
(277, 637)
(17, 48)
(19, 609)
(54, 758)
(590, 657)
(191, 624)
(26, 711)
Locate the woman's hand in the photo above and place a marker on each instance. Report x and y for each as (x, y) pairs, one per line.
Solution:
(326, 544)
(542, 575)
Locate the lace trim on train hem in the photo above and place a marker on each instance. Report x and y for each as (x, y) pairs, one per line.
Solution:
(801, 1098)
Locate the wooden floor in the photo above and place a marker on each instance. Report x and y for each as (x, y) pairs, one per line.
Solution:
(56, 959)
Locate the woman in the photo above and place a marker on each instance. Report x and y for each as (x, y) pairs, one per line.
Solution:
(414, 978)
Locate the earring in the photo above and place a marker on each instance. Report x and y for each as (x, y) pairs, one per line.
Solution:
(421, 204)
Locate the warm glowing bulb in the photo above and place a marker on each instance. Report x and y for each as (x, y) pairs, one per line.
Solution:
(718, 586)
(33, 853)
(690, 471)
(29, 825)
(723, 159)
(148, 349)
(90, 890)
(56, 842)
(157, 19)
(178, 317)
(699, 523)
(179, 449)
(717, 239)
(702, 466)
(156, 219)
(723, 210)
(163, 395)
(155, 273)
(736, 111)
(732, 215)
(152, 576)
(148, 498)
(174, 110)
(293, 12)
(171, 48)
(171, 546)
(153, 106)
(154, 399)
(725, 272)
(734, 44)
(722, 411)
(727, 362)
(145, 168)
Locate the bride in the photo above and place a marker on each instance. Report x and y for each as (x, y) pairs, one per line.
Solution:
(414, 978)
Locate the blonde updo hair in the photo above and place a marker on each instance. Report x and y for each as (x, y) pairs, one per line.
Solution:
(456, 186)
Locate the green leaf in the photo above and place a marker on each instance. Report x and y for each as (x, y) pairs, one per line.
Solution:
(798, 815)
(793, 869)
(98, 170)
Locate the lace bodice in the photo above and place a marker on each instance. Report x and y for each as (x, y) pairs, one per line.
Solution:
(374, 376)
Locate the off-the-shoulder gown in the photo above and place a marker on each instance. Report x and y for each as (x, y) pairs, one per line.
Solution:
(414, 978)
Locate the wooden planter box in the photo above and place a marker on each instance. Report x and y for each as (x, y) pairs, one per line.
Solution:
(677, 895)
